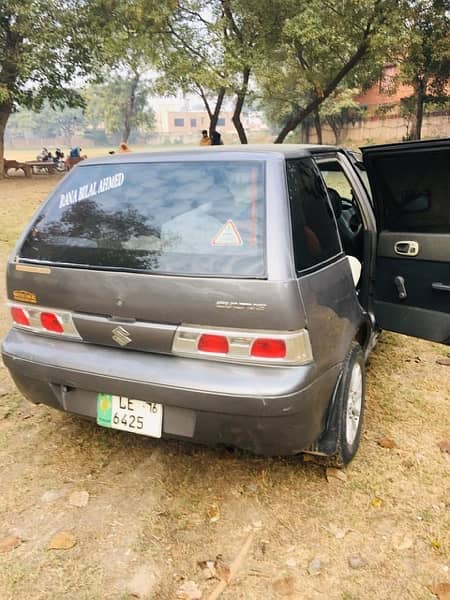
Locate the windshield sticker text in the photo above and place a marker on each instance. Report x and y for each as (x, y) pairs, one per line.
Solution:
(88, 190)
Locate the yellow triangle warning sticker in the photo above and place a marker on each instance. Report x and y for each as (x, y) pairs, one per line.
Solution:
(227, 236)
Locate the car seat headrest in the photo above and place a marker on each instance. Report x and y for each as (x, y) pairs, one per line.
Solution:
(336, 201)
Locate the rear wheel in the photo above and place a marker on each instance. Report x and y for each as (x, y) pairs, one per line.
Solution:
(344, 431)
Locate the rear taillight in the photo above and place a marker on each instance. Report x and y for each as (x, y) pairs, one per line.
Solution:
(44, 320)
(50, 322)
(246, 346)
(20, 316)
(267, 348)
(213, 343)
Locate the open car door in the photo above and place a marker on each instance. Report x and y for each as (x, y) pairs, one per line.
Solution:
(410, 183)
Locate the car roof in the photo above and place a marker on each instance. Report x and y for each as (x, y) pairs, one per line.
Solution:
(236, 152)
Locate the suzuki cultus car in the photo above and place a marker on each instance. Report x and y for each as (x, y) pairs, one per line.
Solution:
(230, 295)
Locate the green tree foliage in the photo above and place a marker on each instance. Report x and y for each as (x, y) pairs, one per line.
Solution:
(192, 56)
(326, 44)
(251, 30)
(119, 106)
(48, 123)
(340, 109)
(44, 45)
(213, 48)
(132, 35)
(425, 59)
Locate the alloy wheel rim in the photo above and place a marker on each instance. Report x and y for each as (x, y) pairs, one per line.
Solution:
(354, 404)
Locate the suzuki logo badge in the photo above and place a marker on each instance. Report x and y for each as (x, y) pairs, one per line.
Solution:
(121, 336)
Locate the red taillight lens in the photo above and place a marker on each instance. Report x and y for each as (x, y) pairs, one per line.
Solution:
(50, 322)
(265, 348)
(213, 343)
(20, 316)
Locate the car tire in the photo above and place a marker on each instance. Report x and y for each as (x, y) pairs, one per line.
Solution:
(349, 408)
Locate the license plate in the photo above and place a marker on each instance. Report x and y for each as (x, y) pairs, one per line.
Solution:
(128, 414)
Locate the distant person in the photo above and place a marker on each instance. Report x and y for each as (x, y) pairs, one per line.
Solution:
(124, 147)
(216, 139)
(205, 140)
(75, 152)
(58, 160)
(43, 155)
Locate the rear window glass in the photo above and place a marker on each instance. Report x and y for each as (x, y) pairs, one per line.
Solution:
(205, 218)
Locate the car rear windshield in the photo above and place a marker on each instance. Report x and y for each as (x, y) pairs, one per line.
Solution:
(189, 218)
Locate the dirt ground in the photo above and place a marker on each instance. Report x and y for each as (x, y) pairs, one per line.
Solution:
(153, 509)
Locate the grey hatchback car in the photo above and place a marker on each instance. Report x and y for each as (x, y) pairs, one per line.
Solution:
(230, 295)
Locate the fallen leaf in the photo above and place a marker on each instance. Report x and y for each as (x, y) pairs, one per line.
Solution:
(142, 583)
(51, 495)
(444, 446)
(208, 568)
(332, 473)
(443, 361)
(215, 569)
(9, 543)
(189, 591)
(436, 544)
(285, 586)
(213, 513)
(63, 540)
(441, 590)
(222, 569)
(356, 562)
(79, 499)
(376, 501)
(338, 533)
(291, 562)
(401, 541)
(315, 566)
(386, 442)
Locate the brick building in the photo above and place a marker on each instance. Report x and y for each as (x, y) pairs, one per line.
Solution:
(192, 122)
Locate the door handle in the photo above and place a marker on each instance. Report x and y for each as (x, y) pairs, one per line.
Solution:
(406, 248)
(440, 287)
(401, 288)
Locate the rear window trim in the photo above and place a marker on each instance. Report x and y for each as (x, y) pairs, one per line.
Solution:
(31, 261)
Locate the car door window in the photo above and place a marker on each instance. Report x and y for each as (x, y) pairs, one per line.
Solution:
(313, 225)
(415, 189)
(345, 206)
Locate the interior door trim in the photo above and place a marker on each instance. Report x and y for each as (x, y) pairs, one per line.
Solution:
(431, 246)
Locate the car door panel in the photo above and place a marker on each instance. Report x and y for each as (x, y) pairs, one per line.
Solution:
(411, 189)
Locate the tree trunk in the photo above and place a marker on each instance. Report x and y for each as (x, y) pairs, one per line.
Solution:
(297, 117)
(5, 112)
(419, 93)
(336, 130)
(214, 116)
(318, 126)
(304, 133)
(240, 99)
(129, 111)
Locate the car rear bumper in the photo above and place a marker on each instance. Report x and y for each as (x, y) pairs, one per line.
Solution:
(266, 410)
